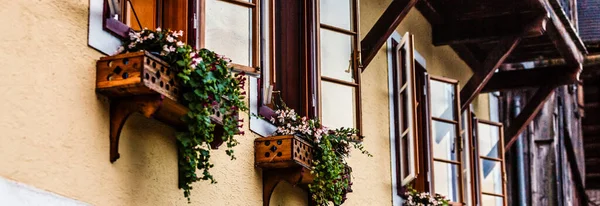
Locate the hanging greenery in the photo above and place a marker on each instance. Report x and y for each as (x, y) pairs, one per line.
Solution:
(332, 174)
(207, 83)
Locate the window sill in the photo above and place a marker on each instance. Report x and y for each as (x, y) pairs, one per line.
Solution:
(140, 82)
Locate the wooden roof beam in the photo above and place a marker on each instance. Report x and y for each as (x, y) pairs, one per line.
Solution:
(489, 29)
(532, 78)
(527, 114)
(383, 28)
(561, 38)
(482, 75)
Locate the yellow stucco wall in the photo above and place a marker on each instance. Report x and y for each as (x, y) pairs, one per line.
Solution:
(54, 128)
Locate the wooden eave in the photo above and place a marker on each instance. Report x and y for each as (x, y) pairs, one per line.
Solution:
(488, 34)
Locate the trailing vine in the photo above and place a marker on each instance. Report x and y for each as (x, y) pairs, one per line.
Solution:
(331, 147)
(207, 83)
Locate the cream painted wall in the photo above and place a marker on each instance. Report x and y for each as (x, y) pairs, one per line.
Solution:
(55, 128)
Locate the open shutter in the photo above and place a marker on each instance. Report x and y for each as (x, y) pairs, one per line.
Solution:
(406, 138)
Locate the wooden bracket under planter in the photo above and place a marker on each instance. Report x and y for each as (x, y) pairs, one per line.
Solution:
(286, 158)
(141, 82)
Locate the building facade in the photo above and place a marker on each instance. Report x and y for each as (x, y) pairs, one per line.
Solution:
(446, 95)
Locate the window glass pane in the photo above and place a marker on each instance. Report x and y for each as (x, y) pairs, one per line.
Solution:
(489, 200)
(491, 176)
(444, 137)
(446, 180)
(405, 157)
(442, 100)
(228, 31)
(338, 105)
(336, 55)
(488, 140)
(146, 14)
(336, 13)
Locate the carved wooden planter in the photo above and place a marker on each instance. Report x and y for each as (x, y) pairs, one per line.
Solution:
(286, 158)
(141, 82)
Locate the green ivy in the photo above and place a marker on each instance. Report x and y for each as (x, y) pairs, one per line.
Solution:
(207, 81)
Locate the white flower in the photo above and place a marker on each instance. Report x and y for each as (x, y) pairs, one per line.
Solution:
(151, 36)
(180, 44)
(170, 39)
(158, 29)
(171, 48)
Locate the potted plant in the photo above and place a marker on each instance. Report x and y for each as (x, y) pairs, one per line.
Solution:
(160, 76)
(302, 151)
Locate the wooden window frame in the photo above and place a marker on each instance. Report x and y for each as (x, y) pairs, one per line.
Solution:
(405, 67)
(458, 142)
(355, 33)
(164, 9)
(500, 160)
(307, 94)
(255, 55)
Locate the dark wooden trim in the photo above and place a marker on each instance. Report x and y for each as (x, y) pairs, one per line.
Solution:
(493, 60)
(534, 105)
(446, 161)
(531, 78)
(242, 3)
(337, 81)
(337, 29)
(492, 194)
(383, 28)
(489, 29)
(444, 120)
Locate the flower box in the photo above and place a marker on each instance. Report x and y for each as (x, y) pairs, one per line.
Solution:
(282, 152)
(141, 82)
(136, 73)
(287, 158)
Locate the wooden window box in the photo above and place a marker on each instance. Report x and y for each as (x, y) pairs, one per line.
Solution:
(286, 158)
(141, 82)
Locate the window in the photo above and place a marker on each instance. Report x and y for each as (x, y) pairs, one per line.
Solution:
(445, 141)
(404, 108)
(230, 28)
(491, 162)
(313, 67)
(339, 78)
(408, 115)
(121, 16)
(436, 147)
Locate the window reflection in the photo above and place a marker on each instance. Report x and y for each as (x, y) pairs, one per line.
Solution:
(336, 13)
(338, 105)
(444, 135)
(442, 100)
(488, 140)
(491, 176)
(336, 55)
(229, 30)
(446, 180)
